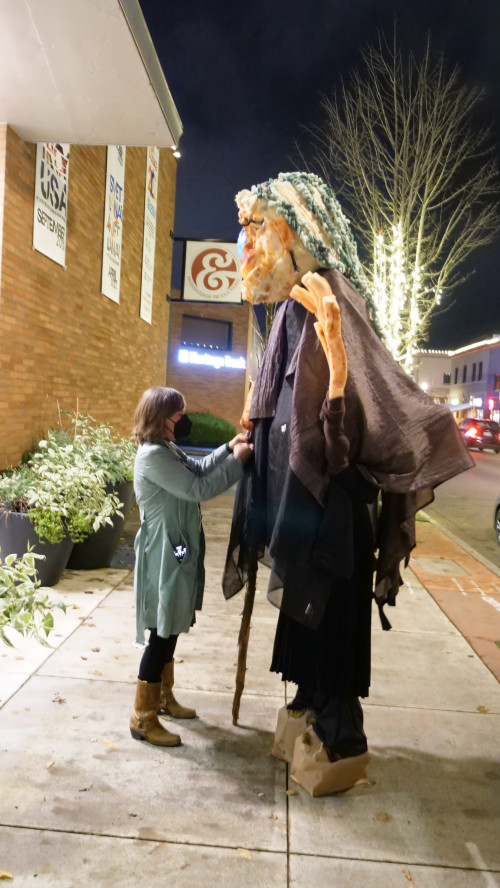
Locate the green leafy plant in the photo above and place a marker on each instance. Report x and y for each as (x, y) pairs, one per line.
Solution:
(66, 484)
(112, 454)
(22, 606)
(209, 430)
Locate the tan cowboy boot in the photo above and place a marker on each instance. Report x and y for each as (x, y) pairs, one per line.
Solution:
(168, 704)
(144, 723)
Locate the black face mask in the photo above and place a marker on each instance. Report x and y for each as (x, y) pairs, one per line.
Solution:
(182, 427)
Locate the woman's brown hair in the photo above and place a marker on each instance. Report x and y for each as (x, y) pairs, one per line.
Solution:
(155, 406)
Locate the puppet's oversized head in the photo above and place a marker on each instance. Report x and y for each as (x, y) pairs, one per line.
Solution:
(291, 225)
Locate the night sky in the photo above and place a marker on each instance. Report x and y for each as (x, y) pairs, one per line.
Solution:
(247, 81)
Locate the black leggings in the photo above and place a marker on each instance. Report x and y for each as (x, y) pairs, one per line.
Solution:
(158, 652)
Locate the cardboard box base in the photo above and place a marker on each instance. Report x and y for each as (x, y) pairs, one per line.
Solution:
(290, 725)
(312, 769)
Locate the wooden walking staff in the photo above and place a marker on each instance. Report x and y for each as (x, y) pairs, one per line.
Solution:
(244, 636)
(246, 615)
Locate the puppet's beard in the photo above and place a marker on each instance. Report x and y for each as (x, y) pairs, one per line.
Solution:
(264, 284)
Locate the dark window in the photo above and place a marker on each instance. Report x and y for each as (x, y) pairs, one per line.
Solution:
(480, 370)
(473, 372)
(206, 333)
(497, 382)
(456, 375)
(464, 373)
(446, 378)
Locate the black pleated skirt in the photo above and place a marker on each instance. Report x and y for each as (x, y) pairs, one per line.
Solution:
(335, 658)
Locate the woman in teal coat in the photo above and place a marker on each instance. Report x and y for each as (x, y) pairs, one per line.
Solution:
(170, 547)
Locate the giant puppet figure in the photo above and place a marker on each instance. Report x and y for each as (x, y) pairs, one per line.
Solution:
(347, 449)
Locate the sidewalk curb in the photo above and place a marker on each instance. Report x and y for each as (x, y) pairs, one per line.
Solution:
(463, 545)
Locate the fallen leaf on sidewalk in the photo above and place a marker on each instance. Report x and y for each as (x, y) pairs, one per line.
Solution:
(49, 764)
(291, 792)
(483, 709)
(95, 650)
(409, 877)
(273, 816)
(4, 875)
(383, 816)
(109, 744)
(58, 699)
(244, 852)
(83, 658)
(96, 672)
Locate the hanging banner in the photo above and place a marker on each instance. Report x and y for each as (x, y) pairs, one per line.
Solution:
(211, 272)
(113, 222)
(51, 200)
(149, 240)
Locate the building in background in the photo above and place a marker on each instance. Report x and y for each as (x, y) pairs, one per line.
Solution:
(475, 380)
(432, 370)
(467, 378)
(209, 356)
(85, 232)
(213, 337)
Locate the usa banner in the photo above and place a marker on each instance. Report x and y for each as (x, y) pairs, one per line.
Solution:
(211, 272)
(51, 200)
(113, 222)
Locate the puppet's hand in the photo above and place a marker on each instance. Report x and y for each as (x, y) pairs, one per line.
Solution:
(316, 295)
(245, 421)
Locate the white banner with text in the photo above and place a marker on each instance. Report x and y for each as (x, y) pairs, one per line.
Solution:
(113, 222)
(51, 200)
(149, 241)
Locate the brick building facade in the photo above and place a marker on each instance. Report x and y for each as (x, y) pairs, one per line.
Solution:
(60, 338)
(220, 391)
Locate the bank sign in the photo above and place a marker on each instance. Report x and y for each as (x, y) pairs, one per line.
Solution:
(211, 272)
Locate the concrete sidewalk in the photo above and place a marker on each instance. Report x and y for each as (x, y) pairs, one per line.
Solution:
(83, 804)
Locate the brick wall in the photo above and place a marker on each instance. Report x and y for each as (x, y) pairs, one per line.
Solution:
(222, 392)
(3, 148)
(60, 339)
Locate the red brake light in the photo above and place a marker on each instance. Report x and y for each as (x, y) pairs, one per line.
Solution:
(471, 433)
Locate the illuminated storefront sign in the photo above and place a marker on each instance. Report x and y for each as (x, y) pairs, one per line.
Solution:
(205, 359)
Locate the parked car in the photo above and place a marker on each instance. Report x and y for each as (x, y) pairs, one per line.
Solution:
(483, 434)
(496, 519)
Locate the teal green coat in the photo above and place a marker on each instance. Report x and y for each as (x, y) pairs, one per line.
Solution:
(169, 487)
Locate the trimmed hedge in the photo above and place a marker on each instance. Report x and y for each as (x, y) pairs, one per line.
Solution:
(208, 431)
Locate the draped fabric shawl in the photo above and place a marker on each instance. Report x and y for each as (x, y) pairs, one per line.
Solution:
(397, 436)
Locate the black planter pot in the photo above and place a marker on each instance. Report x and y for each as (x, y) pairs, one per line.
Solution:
(97, 550)
(17, 534)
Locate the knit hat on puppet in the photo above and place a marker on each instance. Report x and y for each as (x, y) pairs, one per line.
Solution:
(312, 210)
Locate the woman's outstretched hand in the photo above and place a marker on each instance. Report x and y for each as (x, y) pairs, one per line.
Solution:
(240, 438)
(242, 450)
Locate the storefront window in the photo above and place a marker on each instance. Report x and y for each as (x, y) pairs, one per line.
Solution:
(206, 333)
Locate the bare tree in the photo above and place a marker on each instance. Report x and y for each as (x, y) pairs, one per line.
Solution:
(418, 180)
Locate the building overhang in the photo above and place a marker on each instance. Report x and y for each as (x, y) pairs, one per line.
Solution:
(83, 72)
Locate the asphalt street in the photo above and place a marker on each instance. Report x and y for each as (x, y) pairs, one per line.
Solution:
(465, 505)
